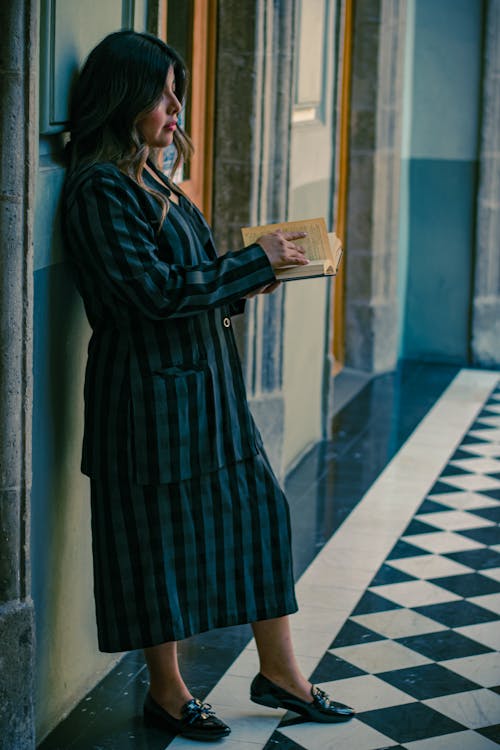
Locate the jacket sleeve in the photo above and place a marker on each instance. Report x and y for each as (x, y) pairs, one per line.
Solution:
(110, 234)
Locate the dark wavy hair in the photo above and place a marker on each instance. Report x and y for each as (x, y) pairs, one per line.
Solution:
(122, 80)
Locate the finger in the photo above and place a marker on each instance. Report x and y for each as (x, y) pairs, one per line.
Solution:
(294, 235)
(297, 248)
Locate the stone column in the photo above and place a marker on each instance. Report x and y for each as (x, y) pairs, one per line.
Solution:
(18, 129)
(371, 313)
(251, 149)
(486, 302)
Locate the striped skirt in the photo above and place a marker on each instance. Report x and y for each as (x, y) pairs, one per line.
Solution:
(178, 559)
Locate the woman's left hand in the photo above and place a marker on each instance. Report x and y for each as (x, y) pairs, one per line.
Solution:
(269, 289)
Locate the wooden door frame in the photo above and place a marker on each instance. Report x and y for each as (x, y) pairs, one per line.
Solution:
(198, 186)
(341, 218)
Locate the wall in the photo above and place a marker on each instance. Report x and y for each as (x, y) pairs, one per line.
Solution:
(68, 662)
(440, 174)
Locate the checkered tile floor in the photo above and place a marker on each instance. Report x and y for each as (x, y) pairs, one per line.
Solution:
(399, 608)
(418, 655)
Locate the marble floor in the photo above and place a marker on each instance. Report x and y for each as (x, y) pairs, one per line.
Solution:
(397, 559)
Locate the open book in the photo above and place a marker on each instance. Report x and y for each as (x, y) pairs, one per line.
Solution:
(323, 249)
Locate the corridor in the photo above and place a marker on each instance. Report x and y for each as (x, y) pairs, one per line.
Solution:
(397, 561)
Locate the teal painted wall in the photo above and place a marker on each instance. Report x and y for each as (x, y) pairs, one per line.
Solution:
(439, 173)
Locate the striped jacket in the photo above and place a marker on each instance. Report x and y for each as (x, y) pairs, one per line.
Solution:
(163, 385)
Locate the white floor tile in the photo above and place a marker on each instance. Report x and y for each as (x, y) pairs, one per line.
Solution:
(233, 690)
(458, 741)
(482, 449)
(308, 642)
(317, 619)
(483, 669)
(228, 744)
(492, 420)
(429, 566)
(399, 623)
(454, 520)
(247, 663)
(474, 709)
(366, 693)
(487, 633)
(488, 601)
(464, 500)
(352, 735)
(442, 542)
(474, 482)
(335, 599)
(334, 572)
(492, 436)
(478, 465)
(255, 724)
(414, 593)
(380, 656)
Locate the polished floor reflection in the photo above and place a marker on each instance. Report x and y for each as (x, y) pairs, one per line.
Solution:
(423, 592)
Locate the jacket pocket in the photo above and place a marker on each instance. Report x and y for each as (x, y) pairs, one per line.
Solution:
(171, 409)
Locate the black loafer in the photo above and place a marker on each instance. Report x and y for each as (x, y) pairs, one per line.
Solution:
(321, 709)
(198, 722)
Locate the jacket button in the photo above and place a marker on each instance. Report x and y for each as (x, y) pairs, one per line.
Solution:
(226, 322)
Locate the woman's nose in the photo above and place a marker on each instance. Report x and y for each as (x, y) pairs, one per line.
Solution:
(174, 104)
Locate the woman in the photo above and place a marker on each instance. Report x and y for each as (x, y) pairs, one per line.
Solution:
(190, 528)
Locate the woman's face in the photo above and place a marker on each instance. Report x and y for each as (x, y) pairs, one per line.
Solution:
(158, 126)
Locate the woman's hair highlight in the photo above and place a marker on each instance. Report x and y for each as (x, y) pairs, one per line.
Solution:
(122, 80)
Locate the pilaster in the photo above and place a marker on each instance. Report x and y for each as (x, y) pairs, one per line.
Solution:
(253, 106)
(18, 35)
(371, 314)
(486, 300)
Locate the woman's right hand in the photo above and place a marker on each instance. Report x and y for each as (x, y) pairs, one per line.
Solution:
(281, 249)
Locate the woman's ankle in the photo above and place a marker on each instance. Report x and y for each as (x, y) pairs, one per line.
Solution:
(296, 684)
(171, 700)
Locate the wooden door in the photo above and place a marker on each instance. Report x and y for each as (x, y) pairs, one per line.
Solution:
(190, 27)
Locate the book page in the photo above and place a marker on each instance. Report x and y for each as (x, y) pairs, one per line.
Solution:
(316, 244)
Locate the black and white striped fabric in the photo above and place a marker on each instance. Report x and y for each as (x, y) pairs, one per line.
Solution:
(181, 489)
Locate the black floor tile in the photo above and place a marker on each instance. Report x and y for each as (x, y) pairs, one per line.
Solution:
(460, 454)
(278, 741)
(438, 488)
(410, 722)
(472, 440)
(479, 559)
(445, 644)
(451, 470)
(416, 527)
(495, 494)
(468, 584)
(455, 614)
(388, 574)
(404, 549)
(352, 633)
(333, 668)
(428, 681)
(491, 514)
(371, 602)
(431, 506)
(492, 733)
(488, 535)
